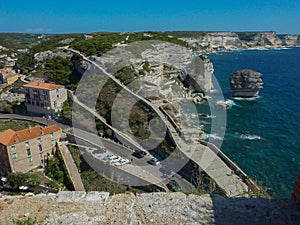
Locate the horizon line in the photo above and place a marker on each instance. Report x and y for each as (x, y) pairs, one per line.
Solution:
(145, 31)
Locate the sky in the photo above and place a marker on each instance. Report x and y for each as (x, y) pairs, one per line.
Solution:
(157, 15)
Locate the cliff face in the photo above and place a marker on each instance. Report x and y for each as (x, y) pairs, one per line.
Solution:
(215, 41)
(154, 208)
(245, 83)
(290, 40)
(198, 76)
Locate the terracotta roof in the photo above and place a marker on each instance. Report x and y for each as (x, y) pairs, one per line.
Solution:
(4, 85)
(10, 137)
(7, 136)
(44, 86)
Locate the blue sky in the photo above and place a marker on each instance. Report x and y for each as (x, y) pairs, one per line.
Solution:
(89, 16)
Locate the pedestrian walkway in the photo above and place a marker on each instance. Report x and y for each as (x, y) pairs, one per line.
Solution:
(71, 168)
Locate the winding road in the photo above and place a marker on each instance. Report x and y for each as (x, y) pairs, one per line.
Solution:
(207, 158)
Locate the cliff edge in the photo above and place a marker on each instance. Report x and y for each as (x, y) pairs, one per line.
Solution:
(154, 208)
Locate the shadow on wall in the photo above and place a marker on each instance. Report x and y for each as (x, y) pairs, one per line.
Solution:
(256, 211)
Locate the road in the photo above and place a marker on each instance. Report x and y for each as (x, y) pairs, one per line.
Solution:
(140, 175)
(36, 119)
(155, 174)
(204, 156)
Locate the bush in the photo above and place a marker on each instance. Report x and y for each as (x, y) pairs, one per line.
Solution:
(17, 179)
(34, 180)
(27, 221)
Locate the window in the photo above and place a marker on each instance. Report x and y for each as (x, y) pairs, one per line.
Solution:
(53, 143)
(41, 162)
(30, 167)
(51, 135)
(29, 159)
(39, 140)
(13, 148)
(28, 152)
(40, 148)
(2, 147)
(27, 143)
(15, 155)
(41, 155)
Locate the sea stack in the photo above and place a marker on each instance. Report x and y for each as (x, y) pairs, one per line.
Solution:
(246, 83)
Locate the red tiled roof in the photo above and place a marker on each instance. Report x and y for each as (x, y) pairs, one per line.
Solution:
(10, 137)
(43, 86)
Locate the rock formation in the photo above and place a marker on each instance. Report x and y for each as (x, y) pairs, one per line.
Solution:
(155, 208)
(218, 41)
(42, 56)
(245, 83)
(198, 76)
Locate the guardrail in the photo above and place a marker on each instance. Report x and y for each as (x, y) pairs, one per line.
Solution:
(232, 165)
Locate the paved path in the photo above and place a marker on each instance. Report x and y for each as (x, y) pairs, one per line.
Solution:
(36, 119)
(71, 167)
(204, 156)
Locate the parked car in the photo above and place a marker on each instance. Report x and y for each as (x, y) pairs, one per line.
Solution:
(139, 154)
(154, 161)
(174, 186)
(122, 162)
(115, 159)
(108, 157)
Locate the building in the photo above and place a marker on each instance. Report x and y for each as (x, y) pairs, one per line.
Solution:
(44, 98)
(8, 76)
(22, 151)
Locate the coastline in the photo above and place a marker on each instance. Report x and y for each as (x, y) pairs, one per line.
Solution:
(257, 48)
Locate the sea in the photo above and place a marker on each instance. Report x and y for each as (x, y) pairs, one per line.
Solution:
(261, 135)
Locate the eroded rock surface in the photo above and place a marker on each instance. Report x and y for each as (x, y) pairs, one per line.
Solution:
(153, 208)
(246, 83)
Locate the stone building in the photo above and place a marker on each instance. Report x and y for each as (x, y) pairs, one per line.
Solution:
(8, 76)
(24, 150)
(44, 98)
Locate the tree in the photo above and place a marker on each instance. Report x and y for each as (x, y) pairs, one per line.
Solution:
(34, 179)
(17, 179)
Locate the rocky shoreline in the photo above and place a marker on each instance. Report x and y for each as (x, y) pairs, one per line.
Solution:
(229, 41)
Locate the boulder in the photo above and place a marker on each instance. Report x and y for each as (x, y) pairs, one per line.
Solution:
(246, 83)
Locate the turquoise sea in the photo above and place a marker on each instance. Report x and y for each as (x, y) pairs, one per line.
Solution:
(274, 117)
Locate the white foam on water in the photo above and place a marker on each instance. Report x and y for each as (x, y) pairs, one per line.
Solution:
(215, 136)
(250, 137)
(246, 99)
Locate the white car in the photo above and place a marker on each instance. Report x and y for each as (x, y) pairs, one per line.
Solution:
(115, 159)
(122, 162)
(109, 157)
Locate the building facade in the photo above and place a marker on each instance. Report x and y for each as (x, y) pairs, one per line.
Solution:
(8, 76)
(44, 98)
(22, 151)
